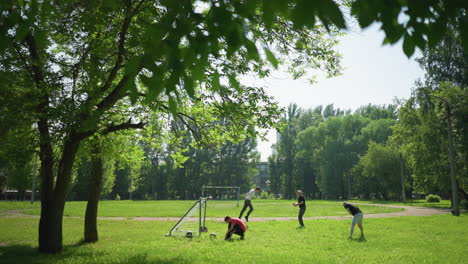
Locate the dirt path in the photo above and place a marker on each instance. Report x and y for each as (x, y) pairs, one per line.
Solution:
(407, 211)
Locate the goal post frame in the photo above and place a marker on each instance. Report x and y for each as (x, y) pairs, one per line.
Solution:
(205, 187)
(201, 217)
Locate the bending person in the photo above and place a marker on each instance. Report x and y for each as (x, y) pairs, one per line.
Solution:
(357, 218)
(235, 226)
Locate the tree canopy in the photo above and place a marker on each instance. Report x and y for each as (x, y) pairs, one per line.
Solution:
(81, 68)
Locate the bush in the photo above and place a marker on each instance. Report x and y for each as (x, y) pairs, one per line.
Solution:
(464, 204)
(264, 195)
(271, 196)
(432, 198)
(117, 197)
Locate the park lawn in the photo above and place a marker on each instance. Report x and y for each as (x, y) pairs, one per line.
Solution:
(263, 208)
(423, 239)
(420, 203)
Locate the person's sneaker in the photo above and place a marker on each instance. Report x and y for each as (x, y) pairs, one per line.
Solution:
(300, 227)
(246, 218)
(242, 237)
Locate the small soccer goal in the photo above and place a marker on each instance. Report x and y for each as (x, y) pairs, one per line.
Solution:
(193, 222)
(221, 193)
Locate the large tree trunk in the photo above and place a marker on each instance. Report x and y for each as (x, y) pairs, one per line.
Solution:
(50, 228)
(47, 242)
(90, 230)
(53, 199)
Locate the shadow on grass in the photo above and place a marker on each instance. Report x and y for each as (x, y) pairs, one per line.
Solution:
(143, 259)
(359, 240)
(29, 254)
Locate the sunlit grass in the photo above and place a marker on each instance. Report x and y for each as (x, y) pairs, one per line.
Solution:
(428, 239)
(421, 203)
(263, 208)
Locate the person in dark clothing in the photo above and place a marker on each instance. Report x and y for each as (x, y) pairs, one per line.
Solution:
(235, 226)
(302, 207)
(357, 218)
(248, 203)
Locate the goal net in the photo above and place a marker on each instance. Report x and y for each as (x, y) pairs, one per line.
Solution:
(222, 193)
(193, 221)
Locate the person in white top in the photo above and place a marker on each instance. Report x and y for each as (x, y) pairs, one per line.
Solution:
(248, 203)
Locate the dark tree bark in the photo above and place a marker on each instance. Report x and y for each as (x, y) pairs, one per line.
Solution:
(90, 230)
(53, 199)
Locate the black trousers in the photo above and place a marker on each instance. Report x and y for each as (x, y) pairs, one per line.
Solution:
(237, 230)
(301, 214)
(247, 203)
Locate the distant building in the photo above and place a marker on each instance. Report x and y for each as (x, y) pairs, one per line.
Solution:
(262, 176)
(12, 194)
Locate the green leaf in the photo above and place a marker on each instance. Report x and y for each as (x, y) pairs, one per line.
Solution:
(437, 31)
(233, 40)
(198, 72)
(408, 45)
(133, 91)
(215, 85)
(132, 66)
(252, 51)
(188, 86)
(419, 41)
(304, 13)
(233, 81)
(172, 105)
(393, 32)
(271, 58)
(22, 31)
(330, 10)
(365, 15)
(4, 44)
(464, 33)
(268, 13)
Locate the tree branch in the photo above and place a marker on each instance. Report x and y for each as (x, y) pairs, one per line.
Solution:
(121, 48)
(123, 126)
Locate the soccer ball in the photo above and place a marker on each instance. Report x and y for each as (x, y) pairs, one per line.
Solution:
(189, 234)
(213, 235)
(267, 182)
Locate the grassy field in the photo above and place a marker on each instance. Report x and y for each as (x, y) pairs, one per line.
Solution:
(428, 239)
(420, 203)
(263, 208)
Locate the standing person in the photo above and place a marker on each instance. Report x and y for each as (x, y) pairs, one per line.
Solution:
(302, 207)
(357, 218)
(235, 226)
(248, 203)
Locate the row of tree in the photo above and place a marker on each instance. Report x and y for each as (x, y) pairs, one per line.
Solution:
(384, 152)
(136, 169)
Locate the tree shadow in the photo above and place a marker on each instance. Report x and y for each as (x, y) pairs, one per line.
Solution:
(30, 254)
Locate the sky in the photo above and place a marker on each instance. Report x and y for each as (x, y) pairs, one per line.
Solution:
(372, 74)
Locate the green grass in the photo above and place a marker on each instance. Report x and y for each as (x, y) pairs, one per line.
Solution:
(420, 203)
(428, 239)
(263, 208)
